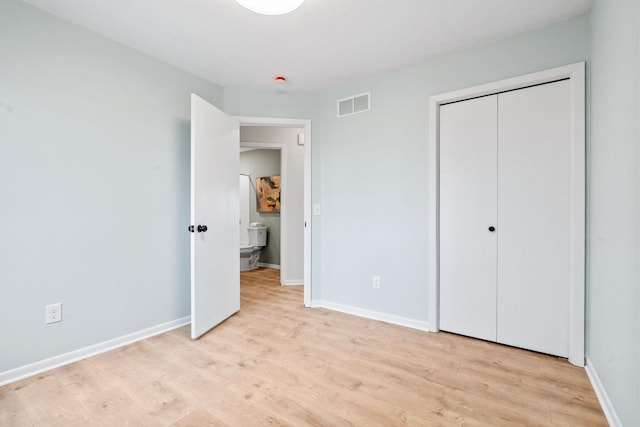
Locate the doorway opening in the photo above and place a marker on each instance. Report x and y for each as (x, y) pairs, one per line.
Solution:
(292, 139)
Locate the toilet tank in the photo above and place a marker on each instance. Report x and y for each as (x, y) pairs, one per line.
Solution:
(257, 234)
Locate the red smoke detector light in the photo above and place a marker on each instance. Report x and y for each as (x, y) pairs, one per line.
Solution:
(280, 79)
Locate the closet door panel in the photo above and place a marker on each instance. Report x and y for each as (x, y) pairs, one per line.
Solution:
(534, 165)
(468, 166)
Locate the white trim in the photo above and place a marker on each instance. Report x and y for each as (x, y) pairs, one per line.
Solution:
(308, 286)
(293, 282)
(576, 74)
(608, 409)
(25, 371)
(266, 265)
(306, 125)
(374, 315)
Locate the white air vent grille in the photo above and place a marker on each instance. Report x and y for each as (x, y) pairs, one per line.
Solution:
(354, 104)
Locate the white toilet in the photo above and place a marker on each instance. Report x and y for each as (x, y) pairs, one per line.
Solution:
(250, 254)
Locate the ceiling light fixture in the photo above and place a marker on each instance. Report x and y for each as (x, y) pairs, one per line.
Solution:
(271, 7)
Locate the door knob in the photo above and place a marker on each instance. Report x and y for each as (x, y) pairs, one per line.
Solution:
(492, 229)
(202, 228)
(191, 228)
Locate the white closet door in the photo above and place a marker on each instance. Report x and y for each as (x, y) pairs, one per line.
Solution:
(468, 167)
(534, 166)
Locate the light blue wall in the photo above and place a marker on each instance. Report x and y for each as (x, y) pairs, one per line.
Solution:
(614, 204)
(94, 186)
(263, 103)
(374, 166)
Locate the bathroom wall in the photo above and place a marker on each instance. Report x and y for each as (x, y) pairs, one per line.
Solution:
(245, 194)
(257, 163)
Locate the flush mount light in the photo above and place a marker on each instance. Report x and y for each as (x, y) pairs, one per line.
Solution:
(271, 7)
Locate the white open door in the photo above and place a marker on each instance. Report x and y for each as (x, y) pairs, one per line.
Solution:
(215, 260)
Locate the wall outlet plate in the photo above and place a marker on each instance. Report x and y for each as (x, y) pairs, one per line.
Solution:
(375, 283)
(53, 313)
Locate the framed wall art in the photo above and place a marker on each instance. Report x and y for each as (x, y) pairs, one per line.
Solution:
(268, 194)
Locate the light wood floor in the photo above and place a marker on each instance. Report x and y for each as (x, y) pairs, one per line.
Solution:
(278, 363)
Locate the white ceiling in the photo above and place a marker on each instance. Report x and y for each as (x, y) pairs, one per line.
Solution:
(322, 44)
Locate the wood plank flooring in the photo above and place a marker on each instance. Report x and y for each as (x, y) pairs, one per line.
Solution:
(278, 363)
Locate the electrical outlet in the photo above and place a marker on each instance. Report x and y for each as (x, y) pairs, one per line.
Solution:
(376, 281)
(53, 313)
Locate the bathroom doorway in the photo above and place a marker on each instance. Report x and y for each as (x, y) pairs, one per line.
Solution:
(263, 149)
(293, 138)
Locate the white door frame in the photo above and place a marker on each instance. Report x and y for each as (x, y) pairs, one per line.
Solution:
(306, 126)
(576, 75)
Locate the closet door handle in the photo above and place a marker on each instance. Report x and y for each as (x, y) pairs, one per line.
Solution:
(202, 228)
(492, 229)
(191, 229)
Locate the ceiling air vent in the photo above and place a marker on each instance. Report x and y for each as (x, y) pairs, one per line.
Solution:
(354, 104)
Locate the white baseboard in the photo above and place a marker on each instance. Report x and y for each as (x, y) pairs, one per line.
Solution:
(293, 282)
(25, 371)
(375, 315)
(264, 264)
(603, 398)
